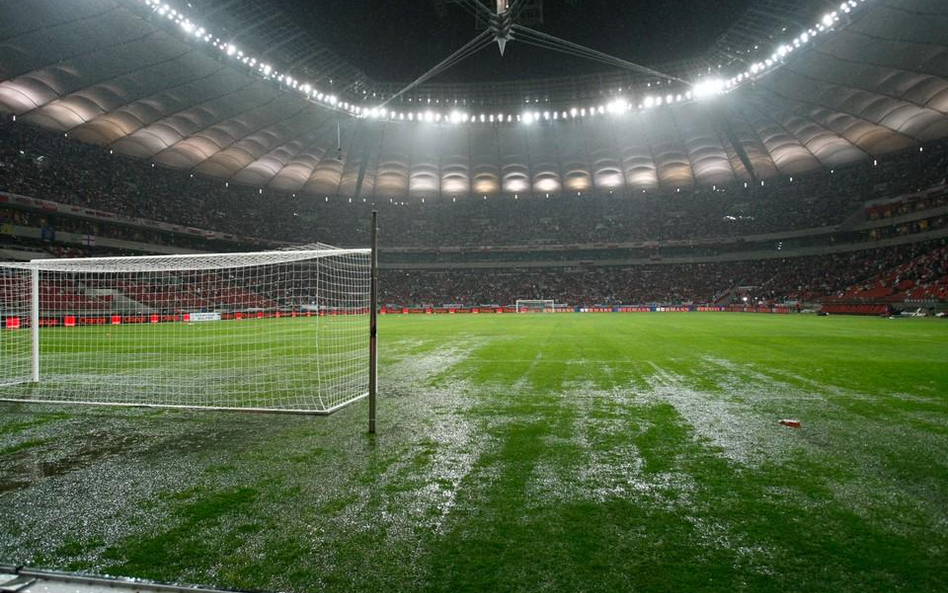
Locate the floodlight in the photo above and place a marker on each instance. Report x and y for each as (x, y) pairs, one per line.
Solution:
(708, 87)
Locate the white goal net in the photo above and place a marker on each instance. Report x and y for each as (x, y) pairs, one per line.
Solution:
(278, 330)
(536, 306)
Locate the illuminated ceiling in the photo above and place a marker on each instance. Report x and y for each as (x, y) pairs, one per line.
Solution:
(107, 74)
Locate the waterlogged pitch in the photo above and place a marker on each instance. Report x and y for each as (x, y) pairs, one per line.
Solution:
(637, 452)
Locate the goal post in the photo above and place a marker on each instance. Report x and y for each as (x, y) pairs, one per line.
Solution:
(536, 306)
(373, 320)
(34, 326)
(284, 330)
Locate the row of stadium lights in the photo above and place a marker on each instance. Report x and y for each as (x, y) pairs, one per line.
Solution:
(703, 89)
(455, 117)
(826, 23)
(615, 107)
(231, 51)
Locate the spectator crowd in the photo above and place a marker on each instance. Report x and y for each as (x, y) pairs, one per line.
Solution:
(807, 279)
(51, 166)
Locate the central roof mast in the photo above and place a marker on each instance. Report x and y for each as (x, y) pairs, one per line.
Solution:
(506, 24)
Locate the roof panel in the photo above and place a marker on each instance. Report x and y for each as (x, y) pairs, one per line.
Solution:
(544, 160)
(425, 177)
(456, 162)
(604, 160)
(514, 159)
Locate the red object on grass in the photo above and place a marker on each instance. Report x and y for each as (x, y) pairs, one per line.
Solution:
(790, 422)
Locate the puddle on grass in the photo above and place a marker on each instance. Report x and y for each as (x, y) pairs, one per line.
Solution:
(444, 442)
(844, 446)
(736, 419)
(67, 447)
(607, 464)
(400, 489)
(88, 482)
(737, 425)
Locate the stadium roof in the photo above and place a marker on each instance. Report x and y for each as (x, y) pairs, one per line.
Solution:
(143, 80)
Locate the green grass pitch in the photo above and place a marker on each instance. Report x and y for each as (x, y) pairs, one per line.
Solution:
(612, 452)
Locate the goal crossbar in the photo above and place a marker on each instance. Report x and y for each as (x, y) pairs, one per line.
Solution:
(180, 262)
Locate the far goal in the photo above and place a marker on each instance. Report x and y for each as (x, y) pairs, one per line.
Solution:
(271, 331)
(537, 306)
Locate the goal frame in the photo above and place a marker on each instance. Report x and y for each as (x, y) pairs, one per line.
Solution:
(36, 266)
(549, 305)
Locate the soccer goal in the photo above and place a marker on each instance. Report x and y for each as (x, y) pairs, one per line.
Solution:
(536, 306)
(269, 331)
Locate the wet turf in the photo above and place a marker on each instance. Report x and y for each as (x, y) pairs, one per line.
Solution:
(524, 453)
